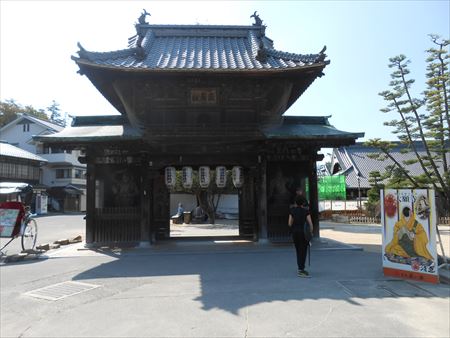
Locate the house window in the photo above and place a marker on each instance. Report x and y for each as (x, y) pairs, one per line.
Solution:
(26, 127)
(79, 173)
(203, 96)
(63, 173)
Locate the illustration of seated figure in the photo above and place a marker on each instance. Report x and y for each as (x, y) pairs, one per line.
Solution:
(198, 215)
(409, 239)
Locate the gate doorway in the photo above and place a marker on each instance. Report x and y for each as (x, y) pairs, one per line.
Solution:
(229, 214)
(195, 222)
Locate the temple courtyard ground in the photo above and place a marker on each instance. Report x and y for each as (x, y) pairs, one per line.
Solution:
(220, 289)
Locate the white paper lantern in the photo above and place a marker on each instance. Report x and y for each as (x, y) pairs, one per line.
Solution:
(221, 177)
(237, 174)
(186, 177)
(170, 176)
(203, 176)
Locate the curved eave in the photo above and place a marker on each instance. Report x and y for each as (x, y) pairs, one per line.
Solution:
(352, 136)
(275, 71)
(87, 139)
(92, 133)
(323, 134)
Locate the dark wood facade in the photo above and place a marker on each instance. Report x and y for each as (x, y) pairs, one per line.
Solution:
(194, 96)
(271, 175)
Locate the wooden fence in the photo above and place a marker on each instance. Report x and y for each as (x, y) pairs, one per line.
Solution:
(114, 225)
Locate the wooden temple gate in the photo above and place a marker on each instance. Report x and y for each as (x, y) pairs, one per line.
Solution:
(197, 95)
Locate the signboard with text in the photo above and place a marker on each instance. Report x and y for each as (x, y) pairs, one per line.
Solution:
(408, 218)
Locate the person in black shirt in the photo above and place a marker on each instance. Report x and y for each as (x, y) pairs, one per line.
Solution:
(298, 216)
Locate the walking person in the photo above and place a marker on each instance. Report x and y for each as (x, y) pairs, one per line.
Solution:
(299, 218)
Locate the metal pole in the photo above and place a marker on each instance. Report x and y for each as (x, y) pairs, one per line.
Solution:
(359, 193)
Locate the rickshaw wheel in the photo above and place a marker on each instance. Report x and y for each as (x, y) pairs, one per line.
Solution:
(29, 235)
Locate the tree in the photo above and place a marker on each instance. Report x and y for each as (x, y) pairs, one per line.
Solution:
(9, 110)
(423, 123)
(208, 198)
(55, 114)
(373, 194)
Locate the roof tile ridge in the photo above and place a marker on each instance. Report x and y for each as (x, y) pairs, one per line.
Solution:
(306, 58)
(148, 40)
(201, 26)
(338, 156)
(253, 43)
(353, 164)
(98, 56)
(43, 122)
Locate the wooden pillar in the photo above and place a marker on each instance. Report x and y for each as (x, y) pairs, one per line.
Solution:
(262, 199)
(145, 194)
(314, 197)
(90, 203)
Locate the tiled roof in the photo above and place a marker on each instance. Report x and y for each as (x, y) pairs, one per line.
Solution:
(48, 124)
(94, 128)
(355, 158)
(200, 47)
(308, 127)
(8, 150)
(45, 124)
(117, 127)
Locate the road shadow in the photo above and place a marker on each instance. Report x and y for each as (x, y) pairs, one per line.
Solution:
(232, 279)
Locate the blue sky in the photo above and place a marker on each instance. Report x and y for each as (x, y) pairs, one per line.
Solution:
(37, 39)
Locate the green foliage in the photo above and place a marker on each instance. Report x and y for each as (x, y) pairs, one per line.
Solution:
(10, 108)
(55, 114)
(423, 121)
(373, 194)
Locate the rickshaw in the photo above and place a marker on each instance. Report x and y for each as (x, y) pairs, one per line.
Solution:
(16, 219)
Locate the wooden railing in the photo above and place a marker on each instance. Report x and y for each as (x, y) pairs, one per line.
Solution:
(114, 225)
(364, 219)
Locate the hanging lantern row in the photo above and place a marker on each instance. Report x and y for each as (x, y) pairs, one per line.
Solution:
(237, 174)
(204, 176)
(221, 177)
(186, 177)
(171, 178)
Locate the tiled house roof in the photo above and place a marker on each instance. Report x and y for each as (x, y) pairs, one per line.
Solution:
(200, 47)
(46, 124)
(354, 159)
(8, 150)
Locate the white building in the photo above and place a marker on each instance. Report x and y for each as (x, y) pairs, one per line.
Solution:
(64, 176)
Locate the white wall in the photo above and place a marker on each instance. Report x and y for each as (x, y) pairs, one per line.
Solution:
(227, 203)
(15, 135)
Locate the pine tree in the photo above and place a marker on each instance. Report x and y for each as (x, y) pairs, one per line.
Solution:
(55, 114)
(423, 123)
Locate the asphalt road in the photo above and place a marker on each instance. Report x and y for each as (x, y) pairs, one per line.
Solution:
(183, 289)
(50, 228)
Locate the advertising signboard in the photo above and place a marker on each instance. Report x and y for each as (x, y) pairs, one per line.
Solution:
(8, 219)
(408, 219)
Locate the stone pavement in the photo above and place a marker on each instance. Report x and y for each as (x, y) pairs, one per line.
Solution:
(222, 289)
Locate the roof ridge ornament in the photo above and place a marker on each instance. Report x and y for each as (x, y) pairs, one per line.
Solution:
(258, 21)
(142, 17)
(261, 56)
(140, 32)
(322, 54)
(82, 52)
